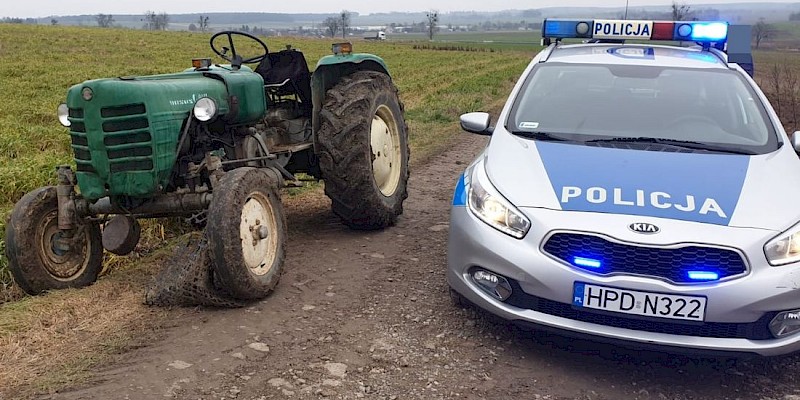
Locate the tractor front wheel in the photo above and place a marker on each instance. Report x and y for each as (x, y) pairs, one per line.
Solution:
(246, 230)
(42, 257)
(363, 150)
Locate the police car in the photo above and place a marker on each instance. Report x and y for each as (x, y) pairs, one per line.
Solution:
(635, 192)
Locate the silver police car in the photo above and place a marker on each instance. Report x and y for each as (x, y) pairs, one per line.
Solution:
(635, 192)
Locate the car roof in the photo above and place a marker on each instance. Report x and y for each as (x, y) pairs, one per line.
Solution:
(638, 54)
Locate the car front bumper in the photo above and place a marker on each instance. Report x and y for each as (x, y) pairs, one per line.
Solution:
(742, 304)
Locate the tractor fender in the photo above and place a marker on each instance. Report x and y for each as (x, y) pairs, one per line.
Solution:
(330, 70)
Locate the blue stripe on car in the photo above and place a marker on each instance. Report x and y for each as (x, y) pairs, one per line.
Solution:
(700, 187)
(460, 196)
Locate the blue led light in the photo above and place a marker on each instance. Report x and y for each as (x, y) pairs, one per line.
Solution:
(559, 28)
(684, 30)
(709, 31)
(587, 262)
(703, 275)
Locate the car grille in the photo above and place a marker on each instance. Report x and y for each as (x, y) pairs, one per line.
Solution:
(758, 330)
(671, 264)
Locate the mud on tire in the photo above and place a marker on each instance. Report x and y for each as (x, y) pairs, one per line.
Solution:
(246, 266)
(35, 260)
(366, 185)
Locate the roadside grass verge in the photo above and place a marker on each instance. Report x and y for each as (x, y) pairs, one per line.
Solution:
(52, 341)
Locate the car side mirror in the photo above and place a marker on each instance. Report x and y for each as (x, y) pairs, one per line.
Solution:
(478, 123)
(796, 141)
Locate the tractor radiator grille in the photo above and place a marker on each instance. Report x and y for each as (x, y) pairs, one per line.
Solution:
(127, 138)
(80, 143)
(121, 111)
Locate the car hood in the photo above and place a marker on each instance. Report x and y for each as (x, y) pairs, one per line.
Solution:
(759, 191)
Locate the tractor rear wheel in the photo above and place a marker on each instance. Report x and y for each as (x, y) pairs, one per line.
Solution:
(42, 257)
(363, 150)
(246, 233)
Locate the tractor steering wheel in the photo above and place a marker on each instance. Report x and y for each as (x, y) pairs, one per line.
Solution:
(236, 59)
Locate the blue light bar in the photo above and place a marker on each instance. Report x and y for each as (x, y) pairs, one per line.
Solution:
(703, 275)
(567, 28)
(709, 32)
(695, 31)
(587, 262)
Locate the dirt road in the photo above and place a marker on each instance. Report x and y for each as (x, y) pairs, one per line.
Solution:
(367, 315)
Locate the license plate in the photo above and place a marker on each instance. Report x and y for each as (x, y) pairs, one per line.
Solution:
(648, 304)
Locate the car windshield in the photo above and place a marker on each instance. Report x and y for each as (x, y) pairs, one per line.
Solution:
(706, 109)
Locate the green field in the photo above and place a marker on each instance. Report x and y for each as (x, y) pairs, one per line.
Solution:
(41, 62)
(497, 41)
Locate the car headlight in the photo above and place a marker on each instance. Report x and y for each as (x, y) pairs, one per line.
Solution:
(205, 109)
(492, 208)
(63, 114)
(785, 248)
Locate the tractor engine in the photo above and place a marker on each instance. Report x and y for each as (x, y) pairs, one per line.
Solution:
(126, 131)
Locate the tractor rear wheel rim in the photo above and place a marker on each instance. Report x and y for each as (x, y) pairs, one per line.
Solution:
(258, 234)
(385, 147)
(62, 265)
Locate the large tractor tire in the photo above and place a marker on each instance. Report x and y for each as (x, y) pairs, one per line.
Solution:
(246, 233)
(38, 256)
(363, 150)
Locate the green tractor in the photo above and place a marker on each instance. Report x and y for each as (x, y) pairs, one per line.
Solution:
(214, 144)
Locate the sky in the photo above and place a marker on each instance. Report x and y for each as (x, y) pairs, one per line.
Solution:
(45, 8)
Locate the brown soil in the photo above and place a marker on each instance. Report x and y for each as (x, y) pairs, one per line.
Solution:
(367, 315)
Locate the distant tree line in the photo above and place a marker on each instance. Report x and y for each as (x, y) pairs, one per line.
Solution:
(156, 22)
(202, 24)
(104, 20)
(9, 20)
(332, 25)
(678, 12)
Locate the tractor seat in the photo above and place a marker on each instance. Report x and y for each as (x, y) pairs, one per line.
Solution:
(286, 73)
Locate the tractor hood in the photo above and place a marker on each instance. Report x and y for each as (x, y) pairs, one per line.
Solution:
(239, 94)
(125, 130)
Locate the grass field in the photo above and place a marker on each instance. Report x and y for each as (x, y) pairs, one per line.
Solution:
(50, 341)
(499, 41)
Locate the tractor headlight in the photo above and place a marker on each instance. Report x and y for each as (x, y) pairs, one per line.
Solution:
(492, 208)
(205, 109)
(785, 248)
(63, 114)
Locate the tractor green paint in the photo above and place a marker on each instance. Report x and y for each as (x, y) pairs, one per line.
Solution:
(330, 70)
(125, 137)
